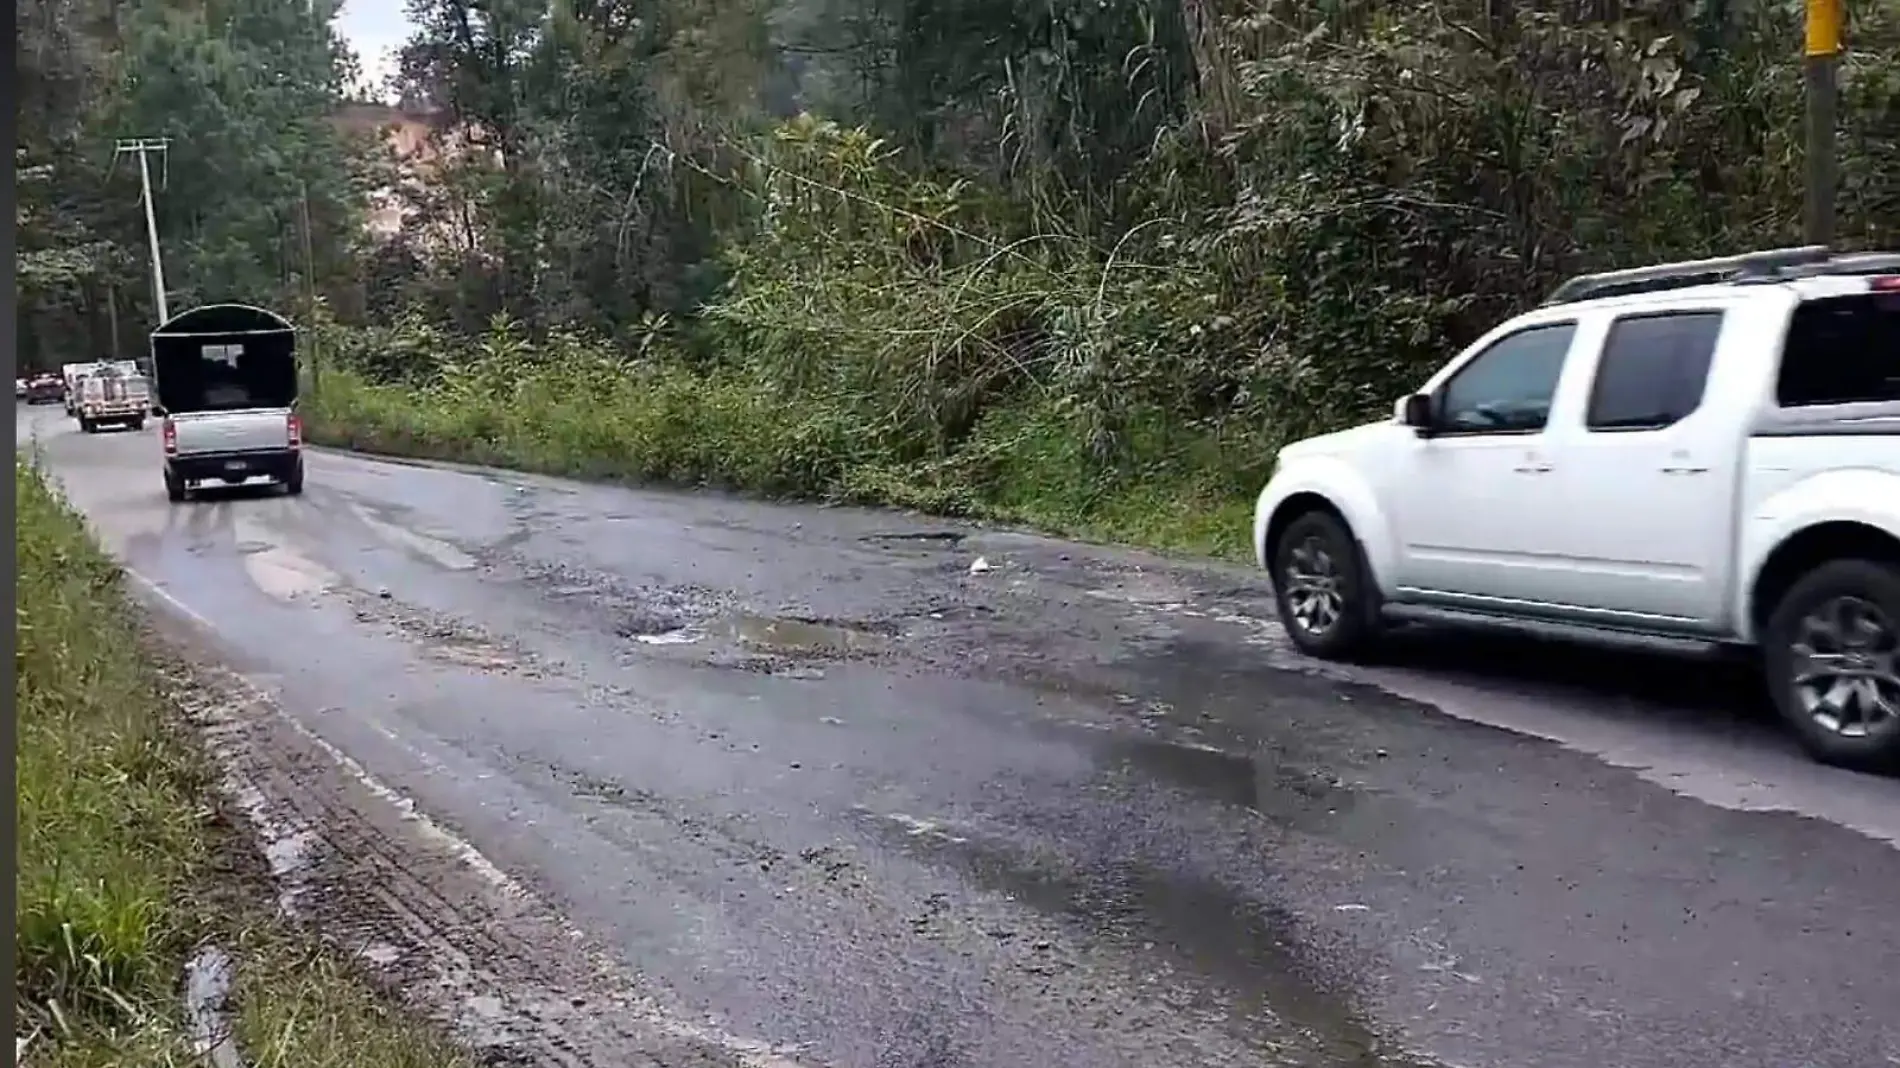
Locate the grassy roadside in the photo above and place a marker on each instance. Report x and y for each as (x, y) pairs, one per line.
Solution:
(666, 425)
(126, 863)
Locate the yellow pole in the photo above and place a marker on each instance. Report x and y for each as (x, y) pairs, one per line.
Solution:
(1823, 56)
(1824, 27)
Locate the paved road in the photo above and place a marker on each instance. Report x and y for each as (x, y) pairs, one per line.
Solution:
(822, 787)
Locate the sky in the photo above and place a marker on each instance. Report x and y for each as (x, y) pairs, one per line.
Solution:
(375, 29)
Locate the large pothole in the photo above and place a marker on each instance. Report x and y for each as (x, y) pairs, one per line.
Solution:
(808, 635)
(646, 622)
(784, 636)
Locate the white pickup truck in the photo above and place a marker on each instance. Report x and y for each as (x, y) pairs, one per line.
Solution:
(107, 395)
(229, 404)
(1690, 454)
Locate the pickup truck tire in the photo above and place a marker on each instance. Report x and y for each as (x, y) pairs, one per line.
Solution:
(175, 490)
(87, 426)
(1320, 587)
(293, 485)
(1848, 608)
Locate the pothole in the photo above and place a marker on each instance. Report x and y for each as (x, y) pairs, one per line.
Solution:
(936, 537)
(806, 635)
(645, 622)
(779, 637)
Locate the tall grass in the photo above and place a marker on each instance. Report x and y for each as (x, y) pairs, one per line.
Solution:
(665, 423)
(110, 818)
(120, 852)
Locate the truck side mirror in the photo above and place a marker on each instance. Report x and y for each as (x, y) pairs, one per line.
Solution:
(1415, 411)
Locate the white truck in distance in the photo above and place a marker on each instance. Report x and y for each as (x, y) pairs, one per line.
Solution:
(71, 374)
(112, 393)
(1696, 453)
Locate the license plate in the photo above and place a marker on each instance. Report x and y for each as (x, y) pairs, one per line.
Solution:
(234, 465)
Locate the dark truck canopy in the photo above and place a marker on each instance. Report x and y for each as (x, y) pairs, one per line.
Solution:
(224, 357)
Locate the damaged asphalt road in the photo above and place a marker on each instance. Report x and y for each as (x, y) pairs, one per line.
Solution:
(820, 795)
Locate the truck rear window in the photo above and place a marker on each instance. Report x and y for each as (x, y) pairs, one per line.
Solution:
(223, 376)
(1842, 350)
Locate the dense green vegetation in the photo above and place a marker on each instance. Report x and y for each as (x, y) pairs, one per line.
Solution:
(124, 864)
(1079, 262)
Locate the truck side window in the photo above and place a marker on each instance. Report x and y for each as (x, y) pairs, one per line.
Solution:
(1507, 388)
(1842, 350)
(1653, 370)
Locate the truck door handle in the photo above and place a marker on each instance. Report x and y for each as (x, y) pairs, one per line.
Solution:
(1685, 470)
(1532, 467)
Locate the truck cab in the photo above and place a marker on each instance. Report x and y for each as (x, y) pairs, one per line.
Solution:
(1693, 453)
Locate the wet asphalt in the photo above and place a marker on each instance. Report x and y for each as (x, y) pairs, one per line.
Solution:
(822, 786)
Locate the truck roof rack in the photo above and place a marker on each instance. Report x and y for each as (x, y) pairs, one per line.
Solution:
(1768, 265)
(1851, 264)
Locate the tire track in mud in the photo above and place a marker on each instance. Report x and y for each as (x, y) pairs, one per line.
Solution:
(425, 915)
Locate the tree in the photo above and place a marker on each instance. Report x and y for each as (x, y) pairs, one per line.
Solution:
(245, 90)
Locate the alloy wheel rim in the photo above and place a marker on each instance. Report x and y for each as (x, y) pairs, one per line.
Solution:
(1846, 668)
(1312, 587)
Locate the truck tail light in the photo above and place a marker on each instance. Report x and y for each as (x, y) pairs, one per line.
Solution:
(294, 426)
(168, 430)
(1886, 283)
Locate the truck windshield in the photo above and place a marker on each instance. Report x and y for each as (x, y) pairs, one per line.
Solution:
(1842, 350)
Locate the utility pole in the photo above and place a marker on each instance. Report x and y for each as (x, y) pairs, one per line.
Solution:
(143, 148)
(1823, 67)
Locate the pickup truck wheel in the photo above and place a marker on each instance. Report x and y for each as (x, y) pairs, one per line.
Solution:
(1320, 587)
(293, 485)
(87, 426)
(174, 487)
(1832, 650)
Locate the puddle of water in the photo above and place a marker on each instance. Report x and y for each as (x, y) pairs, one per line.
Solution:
(939, 537)
(1229, 778)
(778, 637)
(681, 636)
(1250, 947)
(1272, 784)
(808, 636)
